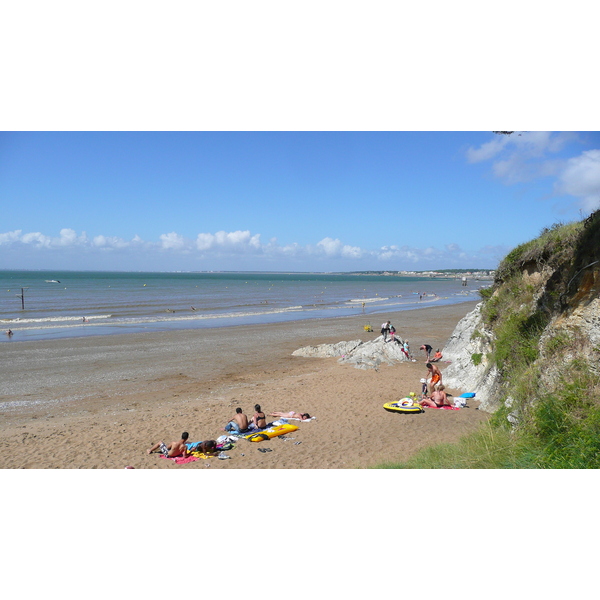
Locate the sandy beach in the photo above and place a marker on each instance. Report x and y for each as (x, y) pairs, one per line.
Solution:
(101, 402)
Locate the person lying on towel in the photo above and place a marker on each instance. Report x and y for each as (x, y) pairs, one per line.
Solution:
(291, 415)
(173, 449)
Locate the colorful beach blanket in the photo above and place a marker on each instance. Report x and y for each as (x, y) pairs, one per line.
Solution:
(243, 436)
(443, 407)
(180, 460)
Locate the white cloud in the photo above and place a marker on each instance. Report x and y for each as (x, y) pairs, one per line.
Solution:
(335, 248)
(68, 237)
(225, 250)
(172, 241)
(581, 178)
(524, 157)
(522, 146)
(488, 150)
(37, 239)
(101, 241)
(222, 240)
(10, 236)
(330, 246)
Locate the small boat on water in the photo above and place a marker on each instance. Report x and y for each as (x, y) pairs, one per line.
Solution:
(52, 281)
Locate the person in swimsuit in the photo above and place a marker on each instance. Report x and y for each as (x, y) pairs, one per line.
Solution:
(239, 423)
(259, 419)
(291, 415)
(438, 398)
(173, 449)
(206, 447)
(436, 376)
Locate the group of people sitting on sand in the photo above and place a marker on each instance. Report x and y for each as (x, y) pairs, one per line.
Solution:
(239, 424)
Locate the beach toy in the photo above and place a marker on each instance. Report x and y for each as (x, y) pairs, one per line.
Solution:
(271, 432)
(399, 408)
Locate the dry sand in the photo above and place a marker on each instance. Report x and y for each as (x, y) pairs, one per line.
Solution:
(100, 402)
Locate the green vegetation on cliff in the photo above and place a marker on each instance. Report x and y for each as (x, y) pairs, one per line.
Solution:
(548, 412)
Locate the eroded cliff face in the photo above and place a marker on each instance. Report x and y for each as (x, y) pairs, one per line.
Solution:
(546, 295)
(470, 370)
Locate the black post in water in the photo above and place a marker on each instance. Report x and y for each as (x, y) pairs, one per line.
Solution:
(22, 297)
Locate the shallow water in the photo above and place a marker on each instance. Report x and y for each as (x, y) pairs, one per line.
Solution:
(75, 304)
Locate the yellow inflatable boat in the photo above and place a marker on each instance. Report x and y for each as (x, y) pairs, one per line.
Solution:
(271, 432)
(404, 405)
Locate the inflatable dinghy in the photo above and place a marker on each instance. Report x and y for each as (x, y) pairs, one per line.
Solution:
(271, 432)
(404, 405)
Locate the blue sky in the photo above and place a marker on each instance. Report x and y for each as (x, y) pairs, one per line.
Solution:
(297, 201)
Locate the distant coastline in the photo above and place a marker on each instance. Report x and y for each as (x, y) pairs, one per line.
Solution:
(473, 274)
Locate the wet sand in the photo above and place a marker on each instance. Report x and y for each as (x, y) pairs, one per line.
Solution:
(100, 402)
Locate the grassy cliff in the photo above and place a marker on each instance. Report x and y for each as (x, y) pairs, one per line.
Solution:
(541, 321)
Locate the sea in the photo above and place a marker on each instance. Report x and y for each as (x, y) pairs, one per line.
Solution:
(38, 305)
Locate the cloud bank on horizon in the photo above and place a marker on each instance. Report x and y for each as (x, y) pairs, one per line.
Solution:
(553, 174)
(226, 250)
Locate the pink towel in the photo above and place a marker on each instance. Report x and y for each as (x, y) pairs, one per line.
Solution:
(444, 407)
(179, 460)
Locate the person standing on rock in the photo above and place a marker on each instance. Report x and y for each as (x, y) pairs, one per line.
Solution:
(385, 327)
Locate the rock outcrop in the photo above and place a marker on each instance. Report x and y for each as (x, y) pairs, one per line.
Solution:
(469, 370)
(363, 355)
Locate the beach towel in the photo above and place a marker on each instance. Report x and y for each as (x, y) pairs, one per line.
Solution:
(444, 407)
(242, 436)
(294, 419)
(180, 460)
